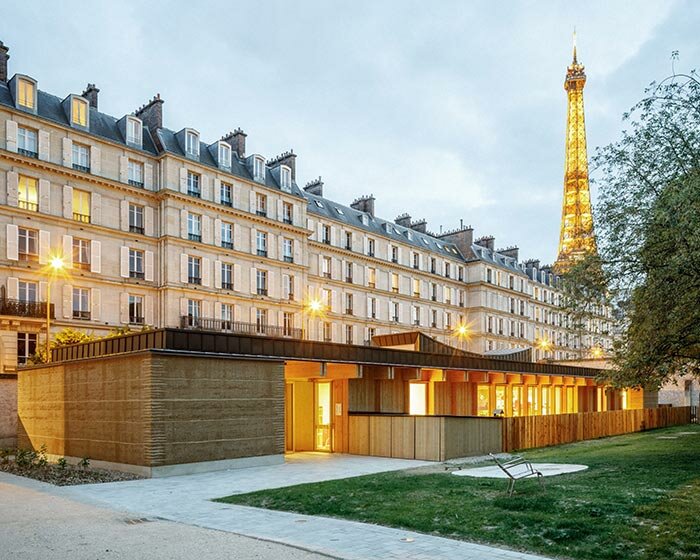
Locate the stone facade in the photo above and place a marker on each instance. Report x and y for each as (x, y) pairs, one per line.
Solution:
(8, 412)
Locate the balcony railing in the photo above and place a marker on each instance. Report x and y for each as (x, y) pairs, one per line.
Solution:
(136, 229)
(135, 183)
(28, 153)
(223, 325)
(18, 308)
(84, 218)
(227, 244)
(84, 168)
(31, 206)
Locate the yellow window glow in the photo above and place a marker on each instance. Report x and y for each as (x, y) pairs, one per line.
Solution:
(27, 195)
(483, 407)
(25, 94)
(79, 112)
(417, 398)
(81, 205)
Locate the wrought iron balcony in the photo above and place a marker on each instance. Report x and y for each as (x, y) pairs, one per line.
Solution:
(18, 308)
(223, 325)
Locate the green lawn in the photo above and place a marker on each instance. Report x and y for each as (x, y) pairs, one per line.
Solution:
(639, 499)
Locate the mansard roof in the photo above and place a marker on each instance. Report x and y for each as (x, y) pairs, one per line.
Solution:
(497, 259)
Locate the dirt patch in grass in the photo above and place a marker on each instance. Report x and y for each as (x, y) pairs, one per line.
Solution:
(66, 476)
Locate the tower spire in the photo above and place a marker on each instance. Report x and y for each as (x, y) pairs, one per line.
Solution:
(576, 238)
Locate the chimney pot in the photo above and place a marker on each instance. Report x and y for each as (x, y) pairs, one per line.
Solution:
(364, 204)
(4, 57)
(403, 220)
(315, 187)
(152, 113)
(237, 141)
(90, 94)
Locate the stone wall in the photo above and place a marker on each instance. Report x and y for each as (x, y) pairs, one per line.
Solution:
(8, 411)
(154, 410)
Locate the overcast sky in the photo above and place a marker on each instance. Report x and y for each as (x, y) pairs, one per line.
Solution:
(445, 110)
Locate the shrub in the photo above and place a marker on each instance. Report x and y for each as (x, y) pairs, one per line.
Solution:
(84, 463)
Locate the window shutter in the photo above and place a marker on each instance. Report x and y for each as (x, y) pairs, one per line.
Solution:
(206, 309)
(124, 262)
(206, 272)
(11, 136)
(237, 244)
(253, 240)
(369, 306)
(217, 232)
(206, 230)
(336, 271)
(205, 187)
(334, 301)
(237, 277)
(123, 169)
(68, 250)
(271, 246)
(320, 265)
(148, 268)
(334, 236)
(148, 310)
(12, 242)
(217, 310)
(67, 301)
(183, 269)
(280, 210)
(405, 311)
(12, 288)
(319, 232)
(96, 257)
(124, 308)
(251, 205)
(272, 285)
(148, 176)
(67, 152)
(382, 280)
(12, 188)
(253, 287)
(183, 306)
(96, 209)
(217, 190)
(236, 196)
(252, 315)
(183, 224)
(149, 221)
(405, 285)
(44, 196)
(44, 145)
(183, 180)
(280, 247)
(366, 279)
(297, 253)
(124, 213)
(67, 202)
(296, 219)
(217, 274)
(95, 160)
(95, 304)
(44, 246)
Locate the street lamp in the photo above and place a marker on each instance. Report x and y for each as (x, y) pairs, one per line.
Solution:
(55, 266)
(462, 332)
(313, 307)
(597, 352)
(545, 345)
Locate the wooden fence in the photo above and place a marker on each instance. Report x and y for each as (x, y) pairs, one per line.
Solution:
(526, 432)
(429, 438)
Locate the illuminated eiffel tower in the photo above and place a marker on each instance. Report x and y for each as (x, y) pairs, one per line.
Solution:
(577, 238)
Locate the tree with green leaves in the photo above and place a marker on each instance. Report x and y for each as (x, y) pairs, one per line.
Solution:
(648, 223)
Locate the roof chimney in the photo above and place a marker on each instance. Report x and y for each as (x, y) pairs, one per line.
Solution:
(315, 187)
(4, 57)
(488, 241)
(511, 252)
(237, 141)
(288, 159)
(90, 94)
(364, 204)
(420, 225)
(462, 237)
(403, 220)
(152, 113)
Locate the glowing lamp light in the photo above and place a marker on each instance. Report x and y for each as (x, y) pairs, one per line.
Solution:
(315, 306)
(56, 263)
(597, 352)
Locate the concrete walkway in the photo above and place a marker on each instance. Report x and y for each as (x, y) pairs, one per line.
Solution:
(187, 499)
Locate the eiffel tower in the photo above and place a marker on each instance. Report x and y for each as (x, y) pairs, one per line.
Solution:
(577, 238)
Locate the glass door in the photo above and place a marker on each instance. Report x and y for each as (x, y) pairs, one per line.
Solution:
(323, 416)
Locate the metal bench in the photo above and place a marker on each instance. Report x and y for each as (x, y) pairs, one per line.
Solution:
(517, 468)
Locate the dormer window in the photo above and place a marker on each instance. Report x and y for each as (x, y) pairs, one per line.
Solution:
(79, 112)
(224, 155)
(258, 169)
(285, 178)
(26, 94)
(192, 143)
(133, 131)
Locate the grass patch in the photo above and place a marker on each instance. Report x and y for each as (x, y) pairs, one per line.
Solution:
(638, 500)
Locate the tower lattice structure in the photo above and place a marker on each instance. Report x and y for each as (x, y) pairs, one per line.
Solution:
(577, 238)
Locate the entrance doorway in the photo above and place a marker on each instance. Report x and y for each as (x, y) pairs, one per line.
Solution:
(323, 420)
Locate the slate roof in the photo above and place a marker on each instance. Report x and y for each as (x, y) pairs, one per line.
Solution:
(497, 259)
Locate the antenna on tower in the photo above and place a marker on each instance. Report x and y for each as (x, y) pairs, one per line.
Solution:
(575, 61)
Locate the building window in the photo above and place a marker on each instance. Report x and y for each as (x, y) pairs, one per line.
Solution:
(81, 157)
(194, 227)
(28, 193)
(447, 270)
(25, 94)
(27, 144)
(133, 132)
(326, 234)
(28, 244)
(433, 265)
(372, 277)
(261, 320)
(288, 250)
(26, 347)
(226, 316)
(81, 206)
(224, 155)
(287, 323)
(81, 303)
(416, 315)
(448, 295)
(135, 173)
(286, 178)
(261, 243)
(348, 272)
(194, 310)
(348, 240)
(460, 274)
(326, 267)
(327, 332)
(395, 312)
(416, 261)
(373, 308)
(370, 247)
(79, 112)
(27, 292)
(328, 298)
(136, 218)
(81, 253)
(448, 320)
(192, 143)
(194, 270)
(260, 204)
(348, 334)
(288, 281)
(287, 213)
(371, 331)
(193, 184)
(433, 292)
(136, 264)
(394, 254)
(348, 304)
(226, 235)
(489, 275)
(261, 282)
(136, 310)
(226, 276)
(226, 194)
(259, 169)
(416, 288)
(394, 282)
(433, 318)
